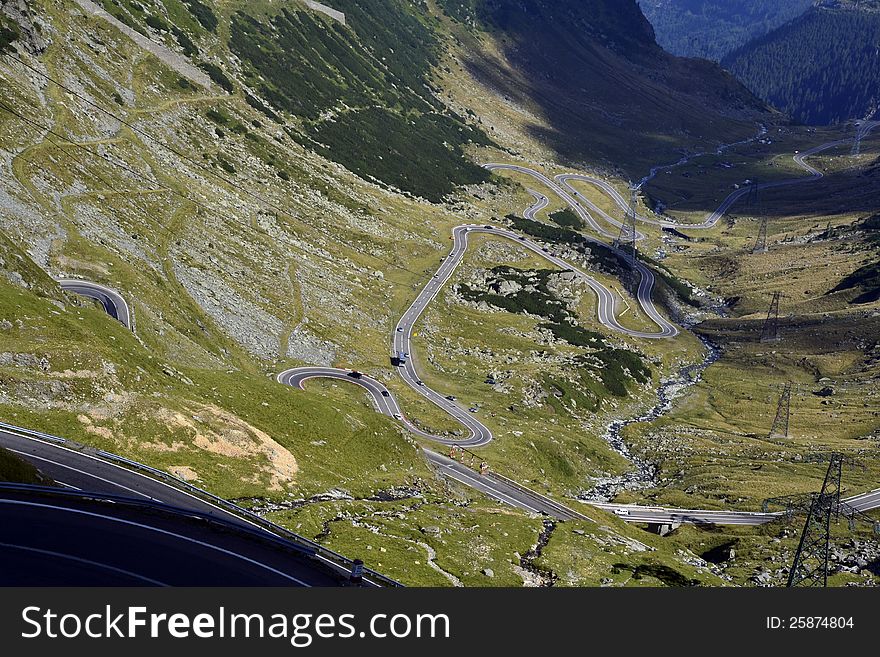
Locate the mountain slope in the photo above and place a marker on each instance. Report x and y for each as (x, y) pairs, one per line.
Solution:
(360, 93)
(821, 68)
(713, 28)
(246, 204)
(607, 94)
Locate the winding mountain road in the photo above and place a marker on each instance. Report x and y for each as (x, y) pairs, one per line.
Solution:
(496, 486)
(113, 302)
(562, 186)
(606, 310)
(480, 434)
(508, 492)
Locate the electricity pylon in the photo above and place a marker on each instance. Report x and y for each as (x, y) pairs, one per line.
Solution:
(783, 414)
(810, 567)
(761, 240)
(770, 330)
(627, 238)
(755, 206)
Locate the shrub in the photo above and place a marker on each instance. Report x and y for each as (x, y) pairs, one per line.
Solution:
(157, 23)
(203, 14)
(398, 134)
(226, 165)
(186, 44)
(7, 36)
(217, 75)
(567, 218)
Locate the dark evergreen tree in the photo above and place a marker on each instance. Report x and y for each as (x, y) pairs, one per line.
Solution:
(821, 68)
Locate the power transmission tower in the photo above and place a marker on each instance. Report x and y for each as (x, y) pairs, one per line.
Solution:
(770, 330)
(857, 141)
(761, 241)
(810, 567)
(783, 414)
(754, 194)
(755, 205)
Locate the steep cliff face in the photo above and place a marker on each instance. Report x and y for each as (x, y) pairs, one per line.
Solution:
(18, 23)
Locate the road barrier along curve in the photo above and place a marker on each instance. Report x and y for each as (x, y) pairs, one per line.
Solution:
(329, 557)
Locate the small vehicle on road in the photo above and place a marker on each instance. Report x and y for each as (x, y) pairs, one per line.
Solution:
(420, 383)
(621, 512)
(354, 374)
(450, 397)
(489, 227)
(400, 329)
(385, 393)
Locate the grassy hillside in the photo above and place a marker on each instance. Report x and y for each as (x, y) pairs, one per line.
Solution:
(223, 214)
(360, 94)
(253, 223)
(588, 80)
(821, 68)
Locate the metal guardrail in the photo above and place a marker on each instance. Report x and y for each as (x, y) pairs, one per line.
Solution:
(270, 527)
(554, 504)
(538, 496)
(159, 507)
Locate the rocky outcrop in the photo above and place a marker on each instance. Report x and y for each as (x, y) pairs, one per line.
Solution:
(31, 30)
(324, 9)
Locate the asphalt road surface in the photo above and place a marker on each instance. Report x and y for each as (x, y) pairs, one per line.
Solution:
(523, 498)
(80, 471)
(111, 300)
(385, 402)
(480, 434)
(77, 470)
(58, 540)
(562, 187)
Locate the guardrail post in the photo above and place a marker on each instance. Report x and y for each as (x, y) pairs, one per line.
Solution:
(356, 577)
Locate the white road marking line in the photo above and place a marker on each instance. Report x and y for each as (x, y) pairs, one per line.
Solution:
(492, 492)
(159, 531)
(143, 476)
(89, 562)
(83, 472)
